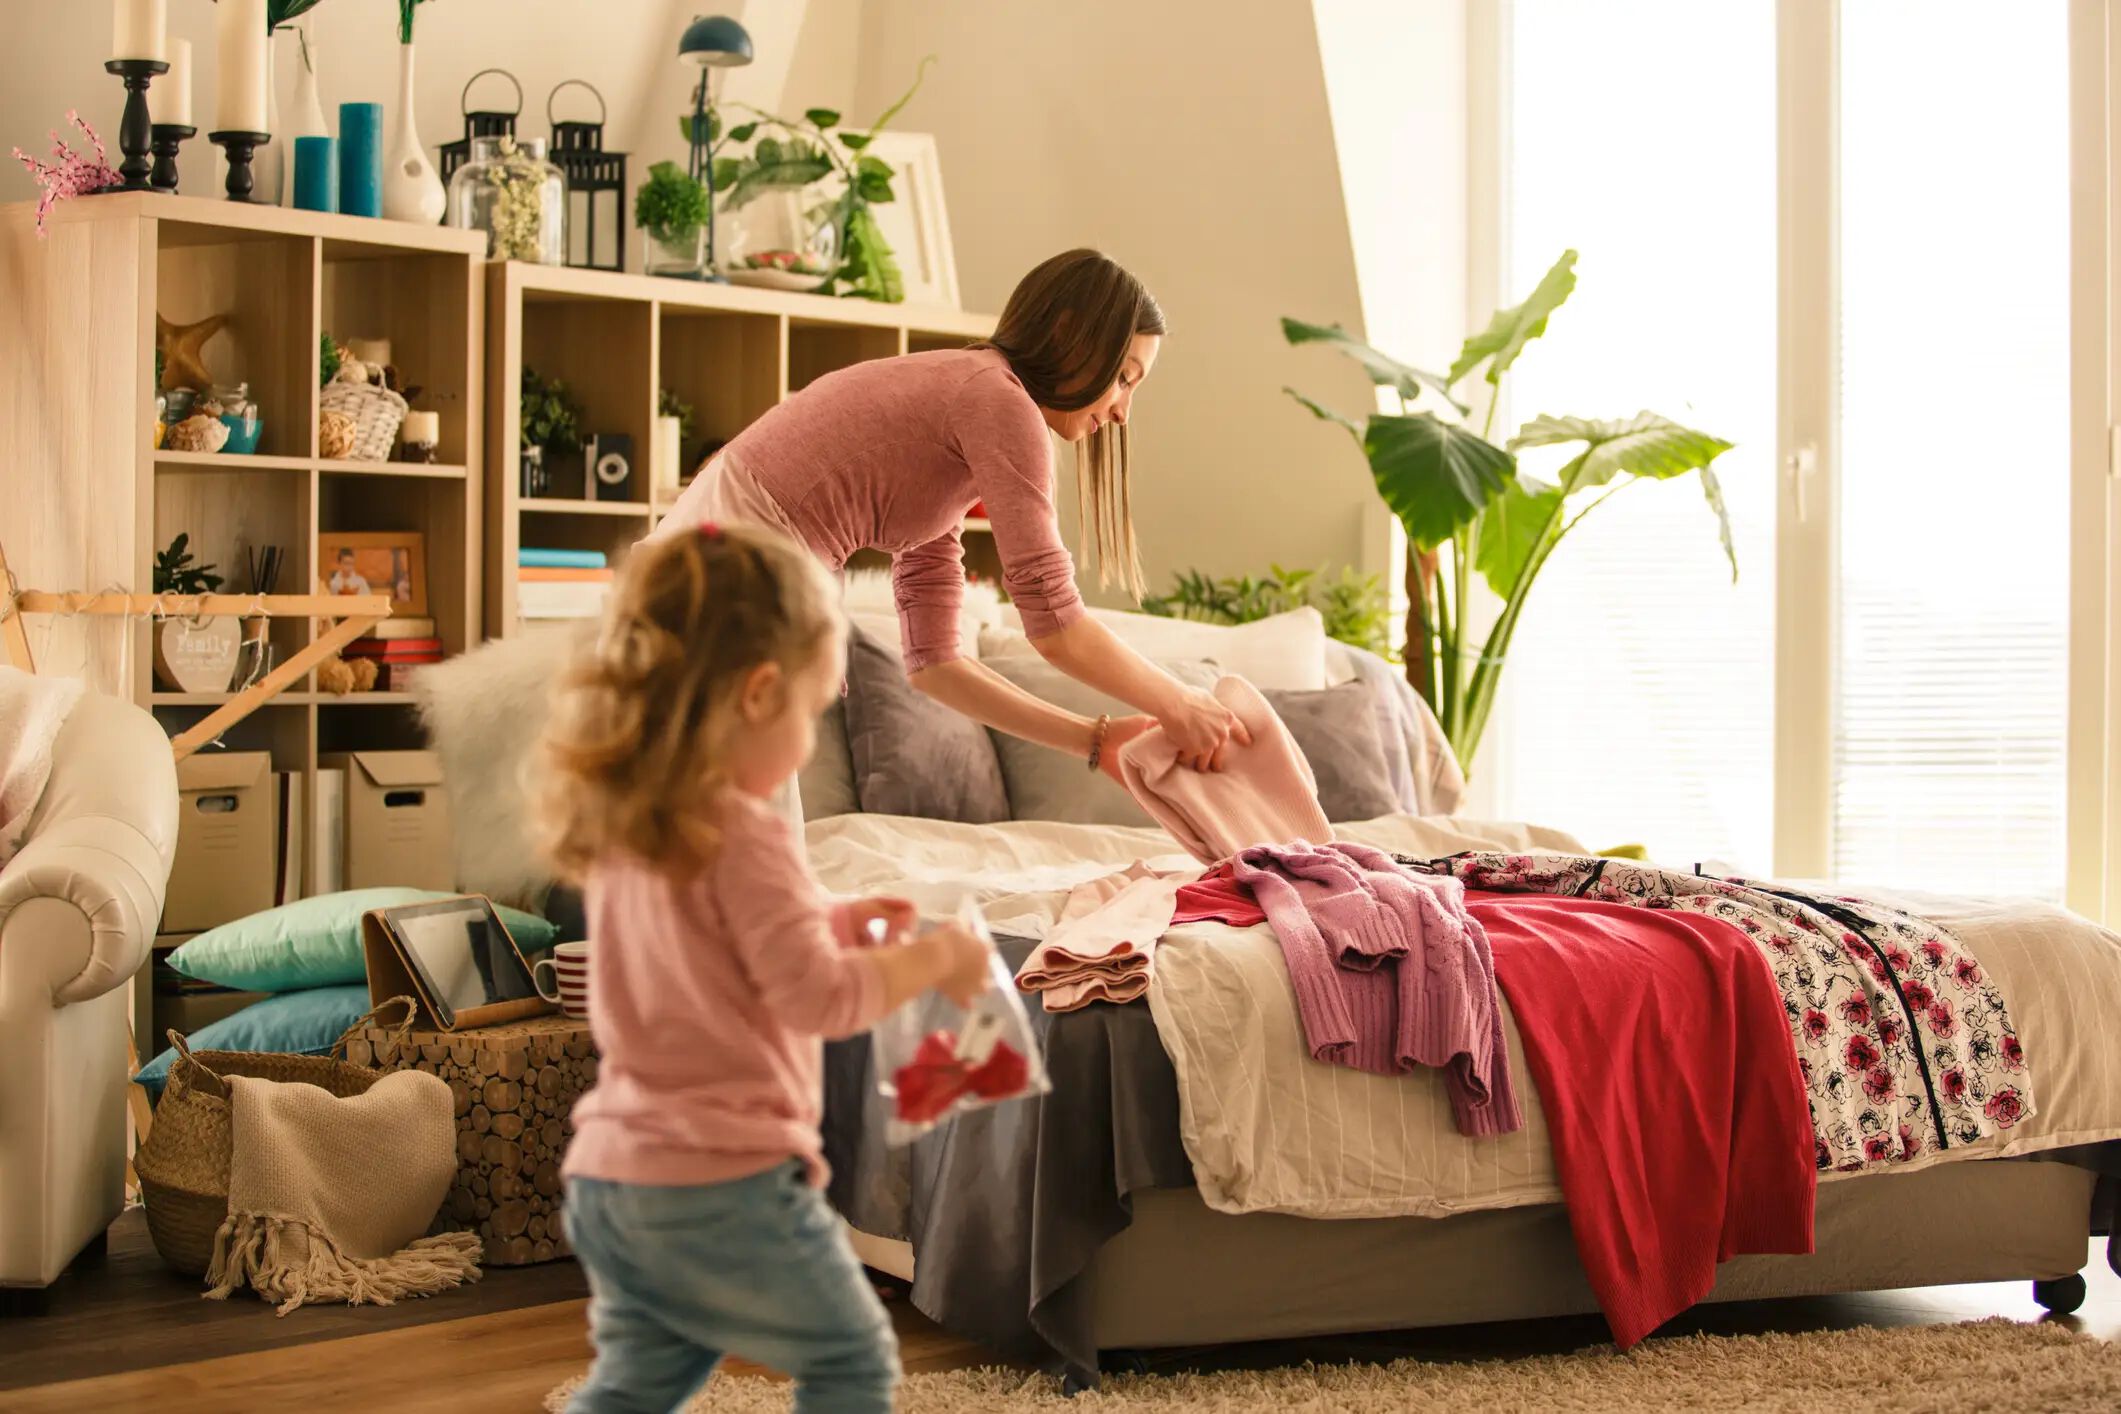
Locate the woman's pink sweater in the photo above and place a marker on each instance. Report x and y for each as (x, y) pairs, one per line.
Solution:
(889, 455)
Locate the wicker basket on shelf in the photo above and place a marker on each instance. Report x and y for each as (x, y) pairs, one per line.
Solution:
(376, 413)
(183, 1163)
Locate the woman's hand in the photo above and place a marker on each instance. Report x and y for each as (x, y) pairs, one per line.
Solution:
(1118, 732)
(1202, 729)
(895, 914)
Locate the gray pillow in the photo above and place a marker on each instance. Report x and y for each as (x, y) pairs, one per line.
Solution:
(911, 755)
(1337, 730)
(1045, 784)
(826, 782)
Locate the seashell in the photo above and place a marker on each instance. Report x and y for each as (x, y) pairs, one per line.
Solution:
(335, 434)
(351, 370)
(200, 433)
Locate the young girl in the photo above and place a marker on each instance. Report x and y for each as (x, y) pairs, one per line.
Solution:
(694, 1176)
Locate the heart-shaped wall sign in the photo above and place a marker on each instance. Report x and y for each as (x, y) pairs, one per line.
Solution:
(197, 655)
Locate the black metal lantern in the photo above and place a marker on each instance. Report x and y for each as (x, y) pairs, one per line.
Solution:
(592, 174)
(485, 122)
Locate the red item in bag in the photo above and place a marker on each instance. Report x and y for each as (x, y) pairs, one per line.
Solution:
(936, 1077)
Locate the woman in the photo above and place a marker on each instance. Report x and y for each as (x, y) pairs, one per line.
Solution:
(890, 455)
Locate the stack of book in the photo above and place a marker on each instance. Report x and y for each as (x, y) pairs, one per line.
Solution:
(400, 645)
(561, 584)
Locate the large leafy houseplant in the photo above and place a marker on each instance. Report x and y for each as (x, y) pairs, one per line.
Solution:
(1467, 506)
(792, 155)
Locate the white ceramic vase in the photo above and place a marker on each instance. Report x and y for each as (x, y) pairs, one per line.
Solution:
(412, 189)
(305, 116)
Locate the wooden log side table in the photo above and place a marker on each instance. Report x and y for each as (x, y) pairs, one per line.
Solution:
(514, 1086)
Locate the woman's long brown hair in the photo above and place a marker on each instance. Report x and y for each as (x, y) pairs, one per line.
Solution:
(1065, 332)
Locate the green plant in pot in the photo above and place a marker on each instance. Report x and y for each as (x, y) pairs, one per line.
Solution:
(552, 422)
(1353, 606)
(1469, 508)
(801, 200)
(671, 211)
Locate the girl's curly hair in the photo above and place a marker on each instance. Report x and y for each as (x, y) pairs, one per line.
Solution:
(636, 743)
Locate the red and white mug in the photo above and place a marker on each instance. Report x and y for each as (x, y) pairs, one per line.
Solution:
(570, 979)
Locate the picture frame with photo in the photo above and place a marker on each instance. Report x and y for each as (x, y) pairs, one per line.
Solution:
(392, 562)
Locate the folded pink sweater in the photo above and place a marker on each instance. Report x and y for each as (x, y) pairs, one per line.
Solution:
(1390, 971)
(1265, 794)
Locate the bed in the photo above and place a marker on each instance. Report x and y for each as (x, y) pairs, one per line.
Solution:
(1130, 1210)
(1126, 1211)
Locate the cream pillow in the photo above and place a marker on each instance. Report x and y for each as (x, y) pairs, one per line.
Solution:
(1283, 653)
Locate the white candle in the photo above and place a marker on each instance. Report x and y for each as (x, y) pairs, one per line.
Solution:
(239, 31)
(137, 28)
(421, 428)
(376, 351)
(170, 99)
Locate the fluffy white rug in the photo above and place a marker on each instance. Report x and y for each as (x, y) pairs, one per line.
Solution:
(1994, 1364)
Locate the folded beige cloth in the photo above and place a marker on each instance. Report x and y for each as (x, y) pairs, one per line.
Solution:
(328, 1197)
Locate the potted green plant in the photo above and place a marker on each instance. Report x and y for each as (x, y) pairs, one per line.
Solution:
(552, 422)
(1467, 506)
(671, 211)
(801, 200)
(1353, 606)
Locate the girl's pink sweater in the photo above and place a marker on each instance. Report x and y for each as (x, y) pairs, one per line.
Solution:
(710, 995)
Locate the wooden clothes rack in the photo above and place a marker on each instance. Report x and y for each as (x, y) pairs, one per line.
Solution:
(356, 615)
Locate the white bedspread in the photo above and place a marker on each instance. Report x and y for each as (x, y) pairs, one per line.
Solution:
(1270, 1130)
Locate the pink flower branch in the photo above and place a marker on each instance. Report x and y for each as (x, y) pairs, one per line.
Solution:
(70, 173)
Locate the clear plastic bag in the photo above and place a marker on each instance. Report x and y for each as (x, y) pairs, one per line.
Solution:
(935, 1059)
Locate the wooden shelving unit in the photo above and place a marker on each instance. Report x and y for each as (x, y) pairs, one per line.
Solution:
(87, 499)
(616, 341)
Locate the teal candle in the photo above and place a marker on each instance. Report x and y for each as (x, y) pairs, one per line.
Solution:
(361, 159)
(317, 173)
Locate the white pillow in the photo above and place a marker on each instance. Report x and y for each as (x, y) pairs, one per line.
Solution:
(1282, 653)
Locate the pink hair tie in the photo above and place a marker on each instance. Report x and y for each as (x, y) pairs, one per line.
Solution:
(711, 530)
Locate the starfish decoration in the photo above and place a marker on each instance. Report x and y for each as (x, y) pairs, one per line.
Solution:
(182, 365)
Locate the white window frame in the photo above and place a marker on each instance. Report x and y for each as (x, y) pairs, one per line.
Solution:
(1808, 419)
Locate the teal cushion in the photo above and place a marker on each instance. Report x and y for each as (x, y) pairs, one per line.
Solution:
(299, 1023)
(314, 943)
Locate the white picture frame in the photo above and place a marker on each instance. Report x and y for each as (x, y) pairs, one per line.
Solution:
(917, 221)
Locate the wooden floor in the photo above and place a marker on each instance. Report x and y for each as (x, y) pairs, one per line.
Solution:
(131, 1336)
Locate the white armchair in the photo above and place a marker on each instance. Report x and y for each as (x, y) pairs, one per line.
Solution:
(79, 905)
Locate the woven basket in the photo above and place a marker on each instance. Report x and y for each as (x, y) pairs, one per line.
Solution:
(376, 413)
(183, 1163)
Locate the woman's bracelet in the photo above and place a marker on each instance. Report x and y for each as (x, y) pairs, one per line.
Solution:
(1097, 739)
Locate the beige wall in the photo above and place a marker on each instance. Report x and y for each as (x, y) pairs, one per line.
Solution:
(1195, 146)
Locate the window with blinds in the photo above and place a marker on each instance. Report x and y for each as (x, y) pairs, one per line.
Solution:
(1638, 705)
(1951, 668)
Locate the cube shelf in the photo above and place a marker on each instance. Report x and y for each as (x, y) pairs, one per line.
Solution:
(617, 341)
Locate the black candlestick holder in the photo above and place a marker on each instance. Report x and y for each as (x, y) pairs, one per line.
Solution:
(168, 138)
(239, 146)
(133, 129)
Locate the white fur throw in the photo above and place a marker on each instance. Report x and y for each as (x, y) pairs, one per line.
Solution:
(483, 711)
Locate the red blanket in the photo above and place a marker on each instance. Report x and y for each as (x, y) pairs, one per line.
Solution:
(1678, 1119)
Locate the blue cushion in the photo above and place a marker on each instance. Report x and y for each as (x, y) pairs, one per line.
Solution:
(314, 943)
(298, 1023)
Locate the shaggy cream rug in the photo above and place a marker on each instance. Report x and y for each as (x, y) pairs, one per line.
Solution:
(1983, 1365)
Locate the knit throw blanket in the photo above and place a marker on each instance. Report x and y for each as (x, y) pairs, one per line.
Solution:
(328, 1197)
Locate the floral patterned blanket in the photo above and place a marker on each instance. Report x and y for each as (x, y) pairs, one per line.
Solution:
(1905, 1044)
